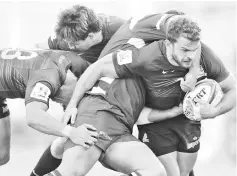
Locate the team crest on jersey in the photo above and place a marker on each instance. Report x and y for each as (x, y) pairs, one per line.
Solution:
(124, 57)
(40, 92)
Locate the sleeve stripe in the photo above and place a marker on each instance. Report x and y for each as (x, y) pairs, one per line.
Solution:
(137, 42)
(159, 22)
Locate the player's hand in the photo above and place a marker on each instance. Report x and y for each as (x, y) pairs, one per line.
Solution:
(69, 115)
(193, 110)
(177, 110)
(206, 110)
(84, 135)
(189, 83)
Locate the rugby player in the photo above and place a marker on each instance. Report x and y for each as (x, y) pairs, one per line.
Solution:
(37, 76)
(112, 106)
(161, 65)
(144, 31)
(81, 30)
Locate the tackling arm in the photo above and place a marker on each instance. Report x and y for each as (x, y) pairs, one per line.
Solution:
(102, 67)
(39, 119)
(149, 115)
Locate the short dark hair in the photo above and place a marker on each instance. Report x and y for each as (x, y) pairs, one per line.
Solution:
(76, 23)
(183, 26)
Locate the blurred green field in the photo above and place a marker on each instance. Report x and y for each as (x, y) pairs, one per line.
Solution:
(25, 23)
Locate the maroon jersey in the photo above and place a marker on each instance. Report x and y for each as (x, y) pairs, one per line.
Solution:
(128, 95)
(36, 75)
(139, 32)
(161, 78)
(110, 25)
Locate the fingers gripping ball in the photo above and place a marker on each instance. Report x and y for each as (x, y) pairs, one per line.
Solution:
(205, 91)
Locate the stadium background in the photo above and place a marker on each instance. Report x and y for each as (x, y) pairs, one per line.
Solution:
(24, 23)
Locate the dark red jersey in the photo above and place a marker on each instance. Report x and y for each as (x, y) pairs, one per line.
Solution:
(110, 25)
(36, 75)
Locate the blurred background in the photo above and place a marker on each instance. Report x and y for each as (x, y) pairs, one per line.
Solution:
(25, 23)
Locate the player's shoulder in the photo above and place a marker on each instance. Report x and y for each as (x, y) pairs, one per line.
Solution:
(153, 50)
(110, 24)
(153, 20)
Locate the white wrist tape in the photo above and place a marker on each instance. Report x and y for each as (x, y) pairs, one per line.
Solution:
(143, 117)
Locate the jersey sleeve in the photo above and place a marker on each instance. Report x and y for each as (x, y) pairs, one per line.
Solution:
(78, 64)
(214, 66)
(42, 85)
(115, 23)
(134, 61)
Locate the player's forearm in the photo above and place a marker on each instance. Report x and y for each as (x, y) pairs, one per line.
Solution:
(149, 115)
(159, 115)
(227, 103)
(85, 83)
(102, 67)
(45, 123)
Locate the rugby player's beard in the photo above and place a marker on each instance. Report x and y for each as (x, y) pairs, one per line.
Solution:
(179, 61)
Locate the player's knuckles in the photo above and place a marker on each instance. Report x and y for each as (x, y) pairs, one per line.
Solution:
(93, 139)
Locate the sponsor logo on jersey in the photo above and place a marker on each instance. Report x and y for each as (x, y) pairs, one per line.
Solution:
(164, 72)
(193, 144)
(145, 138)
(124, 57)
(40, 92)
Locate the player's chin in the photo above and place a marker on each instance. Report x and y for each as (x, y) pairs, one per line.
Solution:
(186, 64)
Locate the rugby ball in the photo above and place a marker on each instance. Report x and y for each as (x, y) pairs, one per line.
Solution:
(206, 90)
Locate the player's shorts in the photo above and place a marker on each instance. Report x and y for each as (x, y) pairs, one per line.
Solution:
(176, 134)
(95, 110)
(4, 111)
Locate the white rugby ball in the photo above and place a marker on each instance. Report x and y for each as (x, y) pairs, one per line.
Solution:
(206, 90)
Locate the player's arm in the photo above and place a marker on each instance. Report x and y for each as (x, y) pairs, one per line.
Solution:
(149, 115)
(39, 119)
(216, 70)
(120, 64)
(227, 103)
(102, 67)
(37, 101)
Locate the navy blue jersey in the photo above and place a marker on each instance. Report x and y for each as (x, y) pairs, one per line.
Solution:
(162, 79)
